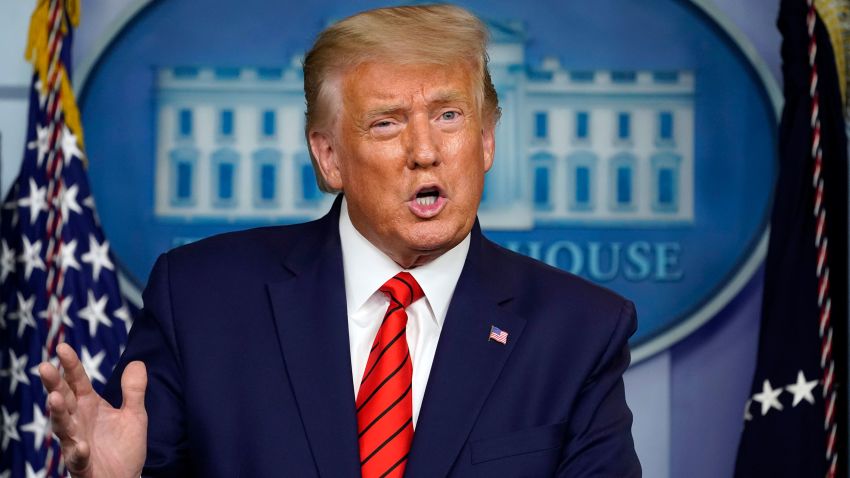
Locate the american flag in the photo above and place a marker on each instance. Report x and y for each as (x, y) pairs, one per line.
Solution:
(795, 420)
(57, 277)
(498, 335)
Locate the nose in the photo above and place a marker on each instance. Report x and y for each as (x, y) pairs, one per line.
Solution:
(422, 147)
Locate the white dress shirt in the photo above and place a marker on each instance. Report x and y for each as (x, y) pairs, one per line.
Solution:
(366, 269)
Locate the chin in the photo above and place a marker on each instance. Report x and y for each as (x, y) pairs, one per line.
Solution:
(430, 237)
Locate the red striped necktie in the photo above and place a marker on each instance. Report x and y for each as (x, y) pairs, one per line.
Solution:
(384, 403)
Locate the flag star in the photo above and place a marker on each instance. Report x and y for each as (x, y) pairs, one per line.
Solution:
(769, 398)
(5, 474)
(92, 364)
(39, 88)
(3, 308)
(10, 428)
(39, 426)
(70, 147)
(747, 415)
(7, 261)
(98, 256)
(124, 314)
(24, 314)
(31, 257)
(17, 371)
(67, 199)
(68, 256)
(94, 312)
(802, 390)
(42, 473)
(36, 201)
(58, 309)
(41, 143)
(57, 314)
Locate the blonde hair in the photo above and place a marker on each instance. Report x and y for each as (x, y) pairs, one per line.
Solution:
(422, 34)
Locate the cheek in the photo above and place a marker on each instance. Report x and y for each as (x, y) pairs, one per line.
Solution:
(459, 144)
(369, 166)
(468, 161)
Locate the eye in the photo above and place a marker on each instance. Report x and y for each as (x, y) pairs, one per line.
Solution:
(450, 115)
(385, 127)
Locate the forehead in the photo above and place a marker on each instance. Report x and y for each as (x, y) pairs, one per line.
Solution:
(375, 83)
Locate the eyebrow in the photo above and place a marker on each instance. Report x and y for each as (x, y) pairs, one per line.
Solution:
(449, 96)
(439, 98)
(384, 110)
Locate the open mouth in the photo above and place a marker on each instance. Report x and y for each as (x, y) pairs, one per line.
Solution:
(427, 196)
(427, 202)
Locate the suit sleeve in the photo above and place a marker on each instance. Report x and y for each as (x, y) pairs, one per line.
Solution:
(600, 439)
(153, 340)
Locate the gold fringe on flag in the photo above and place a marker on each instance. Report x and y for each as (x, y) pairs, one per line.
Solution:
(37, 53)
(834, 15)
(72, 11)
(36, 49)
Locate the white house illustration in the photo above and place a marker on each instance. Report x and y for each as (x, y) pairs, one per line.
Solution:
(605, 147)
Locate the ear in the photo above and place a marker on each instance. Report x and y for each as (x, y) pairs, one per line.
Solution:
(488, 141)
(324, 150)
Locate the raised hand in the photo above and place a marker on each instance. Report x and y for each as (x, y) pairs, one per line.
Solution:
(97, 440)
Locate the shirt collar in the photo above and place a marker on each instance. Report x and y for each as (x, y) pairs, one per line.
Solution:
(366, 268)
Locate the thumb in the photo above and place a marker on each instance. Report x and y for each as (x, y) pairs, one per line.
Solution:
(134, 381)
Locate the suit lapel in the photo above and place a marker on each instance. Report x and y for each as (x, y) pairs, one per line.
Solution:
(466, 364)
(311, 321)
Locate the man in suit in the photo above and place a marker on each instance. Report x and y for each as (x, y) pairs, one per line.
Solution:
(465, 358)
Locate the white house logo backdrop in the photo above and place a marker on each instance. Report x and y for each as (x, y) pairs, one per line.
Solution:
(635, 147)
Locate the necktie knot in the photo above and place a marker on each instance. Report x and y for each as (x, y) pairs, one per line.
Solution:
(403, 288)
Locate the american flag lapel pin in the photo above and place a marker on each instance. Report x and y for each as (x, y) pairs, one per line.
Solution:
(498, 335)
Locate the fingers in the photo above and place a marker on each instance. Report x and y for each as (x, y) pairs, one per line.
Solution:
(75, 374)
(75, 452)
(53, 382)
(60, 417)
(134, 381)
(62, 404)
(77, 458)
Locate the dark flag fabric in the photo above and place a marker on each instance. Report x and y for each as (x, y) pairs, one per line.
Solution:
(58, 280)
(795, 422)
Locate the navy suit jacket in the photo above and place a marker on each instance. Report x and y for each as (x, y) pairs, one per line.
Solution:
(245, 338)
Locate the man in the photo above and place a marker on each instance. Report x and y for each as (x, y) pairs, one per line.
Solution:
(466, 359)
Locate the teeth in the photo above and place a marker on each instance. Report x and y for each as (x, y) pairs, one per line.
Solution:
(426, 200)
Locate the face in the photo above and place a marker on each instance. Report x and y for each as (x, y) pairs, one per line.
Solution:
(409, 149)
